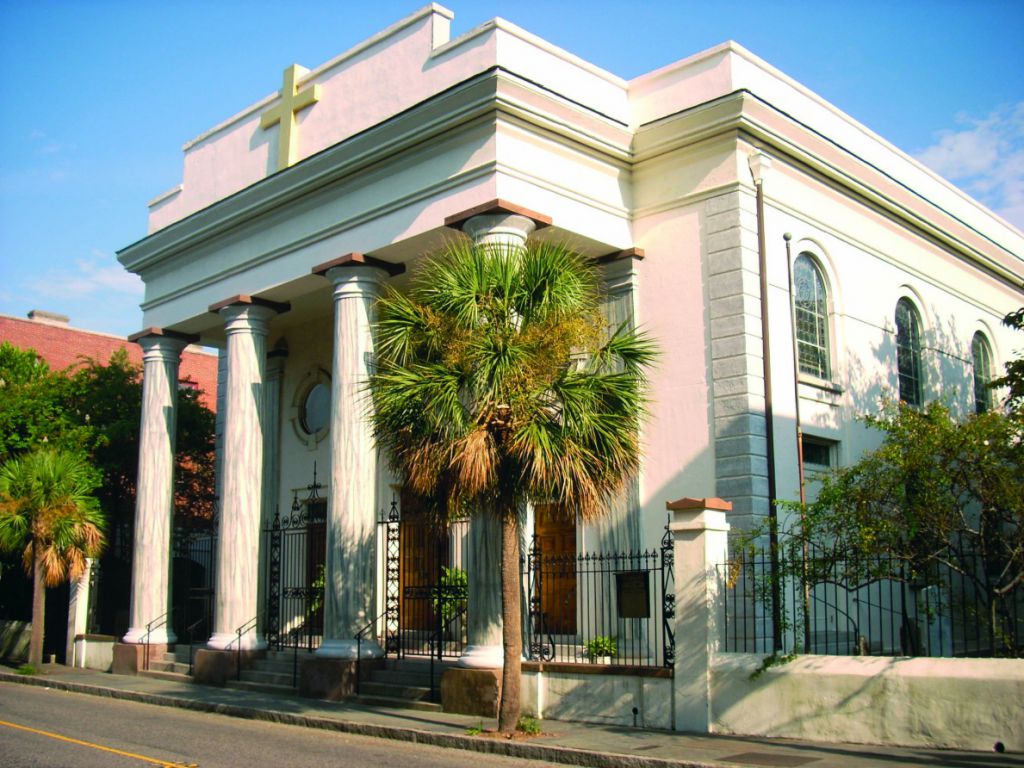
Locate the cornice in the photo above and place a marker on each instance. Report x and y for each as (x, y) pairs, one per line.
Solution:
(485, 96)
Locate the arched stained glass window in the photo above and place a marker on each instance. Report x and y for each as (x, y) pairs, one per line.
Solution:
(981, 354)
(811, 315)
(908, 352)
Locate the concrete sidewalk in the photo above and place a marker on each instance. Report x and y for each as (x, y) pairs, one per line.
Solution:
(562, 742)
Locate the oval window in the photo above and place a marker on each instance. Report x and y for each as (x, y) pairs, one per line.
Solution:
(316, 409)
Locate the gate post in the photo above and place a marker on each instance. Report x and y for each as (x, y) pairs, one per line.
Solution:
(700, 533)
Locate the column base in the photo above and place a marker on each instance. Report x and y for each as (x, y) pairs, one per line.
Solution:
(482, 657)
(333, 648)
(159, 636)
(130, 658)
(471, 691)
(333, 679)
(228, 641)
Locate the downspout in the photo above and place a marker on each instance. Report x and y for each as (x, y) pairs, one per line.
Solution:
(759, 164)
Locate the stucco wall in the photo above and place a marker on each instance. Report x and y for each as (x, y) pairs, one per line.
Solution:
(958, 703)
(598, 698)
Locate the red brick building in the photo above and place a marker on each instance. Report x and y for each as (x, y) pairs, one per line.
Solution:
(62, 346)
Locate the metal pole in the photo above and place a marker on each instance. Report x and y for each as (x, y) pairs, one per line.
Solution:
(799, 442)
(769, 419)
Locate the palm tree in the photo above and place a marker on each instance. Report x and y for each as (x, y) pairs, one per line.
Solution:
(497, 384)
(47, 511)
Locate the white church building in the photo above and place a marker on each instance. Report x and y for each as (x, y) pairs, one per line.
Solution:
(698, 188)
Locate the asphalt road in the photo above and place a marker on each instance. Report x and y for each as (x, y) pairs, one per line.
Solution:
(54, 729)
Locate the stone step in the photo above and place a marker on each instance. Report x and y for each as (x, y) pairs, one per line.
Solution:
(162, 675)
(271, 677)
(168, 666)
(389, 691)
(383, 701)
(276, 665)
(247, 685)
(401, 677)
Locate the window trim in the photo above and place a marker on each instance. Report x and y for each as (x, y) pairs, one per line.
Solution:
(980, 341)
(911, 346)
(822, 320)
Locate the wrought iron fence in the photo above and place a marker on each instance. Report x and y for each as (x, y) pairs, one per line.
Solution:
(426, 586)
(882, 606)
(600, 607)
(195, 564)
(296, 546)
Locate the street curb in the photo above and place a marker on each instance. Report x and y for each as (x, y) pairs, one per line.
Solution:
(551, 753)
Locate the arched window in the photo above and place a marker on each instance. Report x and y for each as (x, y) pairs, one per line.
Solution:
(981, 354)
(908, 352)
(811, 312)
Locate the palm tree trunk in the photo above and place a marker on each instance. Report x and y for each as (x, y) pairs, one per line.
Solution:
(35, 643)
(511, 618)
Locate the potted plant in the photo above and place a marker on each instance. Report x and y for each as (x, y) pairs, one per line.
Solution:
(601, 649)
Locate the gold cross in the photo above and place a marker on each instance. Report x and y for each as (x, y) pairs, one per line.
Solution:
(292, 100)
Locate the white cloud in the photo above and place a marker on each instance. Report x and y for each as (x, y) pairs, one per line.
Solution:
(97, 276)
(986, 158)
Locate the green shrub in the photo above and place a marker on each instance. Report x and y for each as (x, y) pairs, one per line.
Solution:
(527, 724)
(602, 645)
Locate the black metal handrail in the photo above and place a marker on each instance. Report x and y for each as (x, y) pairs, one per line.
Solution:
(359, 645)
(190, 630)
(156, 623)
(244, 629)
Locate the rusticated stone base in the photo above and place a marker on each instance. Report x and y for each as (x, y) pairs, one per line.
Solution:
(129, 658)
(215, 667)
(333, 679)
(471, 691)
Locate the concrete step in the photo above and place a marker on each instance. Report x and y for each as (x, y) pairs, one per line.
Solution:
(387, 690)
(162, 675)
(401, 677)
(270, 677)
(246, 685)
(383, 701)
(168, 666)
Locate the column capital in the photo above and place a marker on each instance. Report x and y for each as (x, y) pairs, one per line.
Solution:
(496, 207)
(162, 345)
(246, 318)
(244, 300)
(351, 260)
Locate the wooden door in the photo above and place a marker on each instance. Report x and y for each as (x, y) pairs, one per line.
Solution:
(421, 545)
(556, 537)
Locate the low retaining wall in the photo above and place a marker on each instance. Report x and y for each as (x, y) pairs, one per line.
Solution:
(94, 652)
(598, 694)
(958, 703)
(14, 639)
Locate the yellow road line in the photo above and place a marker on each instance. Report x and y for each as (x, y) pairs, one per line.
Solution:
(153, 760)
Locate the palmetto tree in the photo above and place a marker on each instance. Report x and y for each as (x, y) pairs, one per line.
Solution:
(47, 511)
(498, 383)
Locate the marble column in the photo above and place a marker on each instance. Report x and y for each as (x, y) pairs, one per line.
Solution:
(271, 460)
(483, 556)
(154, 498)
(238, 542)
(351, 569)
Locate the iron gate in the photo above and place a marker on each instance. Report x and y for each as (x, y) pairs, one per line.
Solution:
(425, 584)
(194, 578)
(296, 547)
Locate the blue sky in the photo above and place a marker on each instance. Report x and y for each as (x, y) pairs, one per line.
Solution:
(97, 98)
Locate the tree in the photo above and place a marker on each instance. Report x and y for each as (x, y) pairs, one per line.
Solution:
(34, 406)
(938, 495)
(1014, 377)
(497, 384)
(47, 511)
